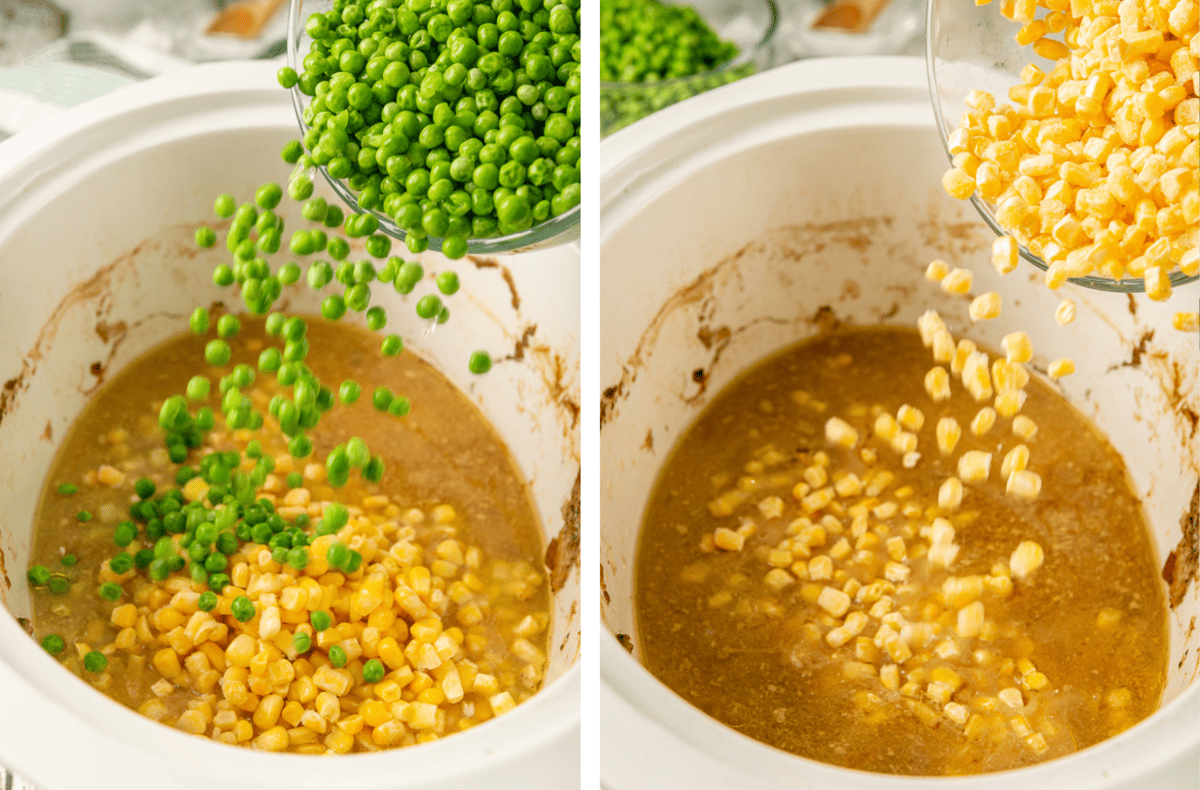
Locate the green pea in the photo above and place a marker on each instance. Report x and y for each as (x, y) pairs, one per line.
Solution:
(59, 585)
(289, 273)
(400, 406)
(373, 671)
(121, 563)
(333, 307)
(447, 283)
(224, 206)
(205, 236)
(294, 480)
(242, 609)
(392, 346)
(373, 471)
(320, 621)
(428, 306)
(199, 321)
(217, 353)
(110, 591)
(480, 362)
(95, 662)
(287, 77)
(38, 575)
(84, 516)
(382, 398)
(301, 642)
(125, 533)
(53, 644)
(197, 388)
(337, 656)
(67, 489)
(207, 600)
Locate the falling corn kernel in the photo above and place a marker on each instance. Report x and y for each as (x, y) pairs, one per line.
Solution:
(1060, 367)
(970, 620)
(1024, 484)
(1005, 254)
(958, 281)
(948, 433)
(936, 271)
(976, 378)
(937, 384)
(950, 494)
(839, 432)
(1026, 559)
(985, 306)
(928, 325)
(974, 466)
(1015, 460)
(1008, 404)
(983, 421)
(1065, 313)
(910, 417)
(1024, 428)
(943, 346)
(1017, 347)
(910, 460)
(1186, 322)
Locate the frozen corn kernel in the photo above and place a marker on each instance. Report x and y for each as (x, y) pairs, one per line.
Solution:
(1025, 559)
(1017, 347)
(910, 417)
(1186, 322)
(839, 432)
(984, 419)
(1005, 254)
(1009, 403)
(948, 434)
(943, 346)
(936, 270)
(958, 281)
(974, 466)
(937, 384)
(1015, 460)
(928, 325)
(985, 306)
(1024, 428)
(950, 494)
(958, 184)
(910, 460)
(1060, 367)
(1065, 312)
(728, 539)
(970, 620)
(1024, 484)
(1012, 698)
(886, 427)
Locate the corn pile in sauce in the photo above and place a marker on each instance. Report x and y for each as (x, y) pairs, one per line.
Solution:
(448, 597)
(850, 558)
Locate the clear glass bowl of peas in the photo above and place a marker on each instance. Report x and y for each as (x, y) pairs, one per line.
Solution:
(749, 26)
(472, 110)
(972, 47)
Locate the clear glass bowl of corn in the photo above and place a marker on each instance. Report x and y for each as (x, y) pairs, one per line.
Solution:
(972, 47)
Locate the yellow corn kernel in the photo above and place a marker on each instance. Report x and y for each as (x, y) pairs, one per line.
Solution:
(273, 740)
(1023, 427)
(936, 271)
(974, 466)
(910, 417)
(983, 421)
(970, 620)
(1024, 484)
(957, 281)
(950, 494)
(1009, 403)
(928, 325)
(1060, 367)
(948, 433)
(985, 306)
(1186, 322)
(839, 432)
(833, 601)
(1014, 461)
(1017, 347)
(937, 384)
(886, 427)
(1025, 559)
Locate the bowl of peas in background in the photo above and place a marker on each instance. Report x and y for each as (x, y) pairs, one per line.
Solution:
(452, 127)
(655, 54)
(135, 173)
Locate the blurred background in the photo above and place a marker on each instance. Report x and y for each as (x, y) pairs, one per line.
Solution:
(54, 55)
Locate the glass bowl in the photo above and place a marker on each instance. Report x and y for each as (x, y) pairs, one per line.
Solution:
(750, 25)
(970, 47)
(562, 229)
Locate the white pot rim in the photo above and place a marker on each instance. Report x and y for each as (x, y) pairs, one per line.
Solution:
(643, 161)
(63, 722)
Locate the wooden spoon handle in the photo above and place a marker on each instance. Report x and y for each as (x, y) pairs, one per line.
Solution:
(852, 15)
(245, 19)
